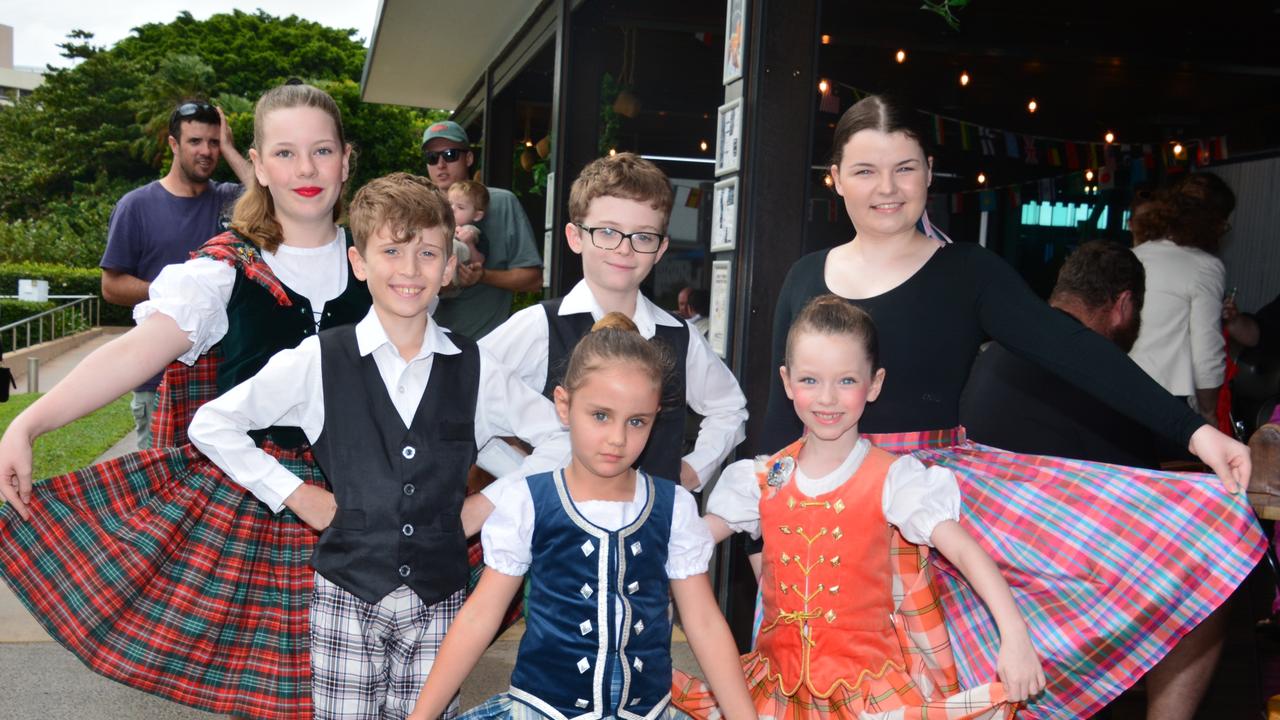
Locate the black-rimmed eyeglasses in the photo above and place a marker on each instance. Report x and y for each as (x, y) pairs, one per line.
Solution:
(607, 238)
(450, 155)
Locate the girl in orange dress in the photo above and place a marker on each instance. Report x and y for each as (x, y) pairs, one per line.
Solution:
(852, 627)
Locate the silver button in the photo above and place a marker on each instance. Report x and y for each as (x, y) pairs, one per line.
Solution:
(404, 571)
(583, 665)
(635, 548)
(408, 452)
(639, 626)
(588, 548)
(585, 627)
(407, 529)
(409, 488)
(585, 590)
(580, 703)
(638, 664)
(633, 588)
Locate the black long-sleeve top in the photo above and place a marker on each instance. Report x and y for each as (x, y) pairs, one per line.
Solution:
(930, 329)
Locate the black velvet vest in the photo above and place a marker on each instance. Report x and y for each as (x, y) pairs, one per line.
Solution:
(399, 490)
(665, 449)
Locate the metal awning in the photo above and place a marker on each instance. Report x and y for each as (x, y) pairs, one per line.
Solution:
(430, 53)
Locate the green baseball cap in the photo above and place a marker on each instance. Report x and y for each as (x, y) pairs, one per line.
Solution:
(447, 129)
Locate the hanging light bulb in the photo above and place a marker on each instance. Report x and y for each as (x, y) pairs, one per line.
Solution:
(982, 178)
(1110, 137)
(823, 86)
(1032, 105)
(528, 143)
(1088, 175)
(827, 180)
(964, 78)
(1177, 149)
(826, 39)
(613, 151)
(702, 146)
(900, 56)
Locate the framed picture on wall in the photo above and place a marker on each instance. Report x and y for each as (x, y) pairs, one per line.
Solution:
(724, 215)
(735, 39)
(729, 138)
(721, 301)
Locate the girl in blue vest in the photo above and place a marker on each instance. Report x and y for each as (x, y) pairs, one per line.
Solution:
(604, 546)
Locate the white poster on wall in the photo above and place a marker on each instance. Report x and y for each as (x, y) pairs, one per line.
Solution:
(724, 215)
(718, 331)
(729, 138)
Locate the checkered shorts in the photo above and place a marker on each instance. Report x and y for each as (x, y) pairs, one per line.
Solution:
(370, 660)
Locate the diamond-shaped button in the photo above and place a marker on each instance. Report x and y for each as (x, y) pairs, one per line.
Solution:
(580, 703)
(588, 548)
(585, 627)
(635, 548)
(585, 590)
(638, 664)
(635, 701)
(583, 665)
(639, 626)
(633, 587)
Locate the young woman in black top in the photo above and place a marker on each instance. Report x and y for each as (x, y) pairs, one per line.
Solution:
(1111, 566)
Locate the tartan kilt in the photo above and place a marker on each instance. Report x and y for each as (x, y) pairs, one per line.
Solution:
(159, 572)
(1109, 565)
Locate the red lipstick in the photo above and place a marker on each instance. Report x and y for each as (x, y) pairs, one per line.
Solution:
(309, 191)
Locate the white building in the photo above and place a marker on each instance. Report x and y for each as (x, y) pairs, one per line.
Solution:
(14, 82)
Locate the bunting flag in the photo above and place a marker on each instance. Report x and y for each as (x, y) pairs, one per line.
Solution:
(1219, 147)
(1107, 176)
(1073, 156)
(1055, 157)
(987, 201)
(1010, 144)
(830, 102)
(988, 137)
(1029, 150)
(694, 199)
(965, 129)
(957, 203)
(1137, 171)
(938, 134)
(1093, 155)
(1148, 158)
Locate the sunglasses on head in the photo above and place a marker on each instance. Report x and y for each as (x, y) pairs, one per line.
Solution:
(191, 109)
(450, 155)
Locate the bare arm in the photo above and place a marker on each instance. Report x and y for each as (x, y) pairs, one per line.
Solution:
(1207, 402)
(525, 279)
(713, 645)
(1018, 665)
(121, 288)
(475, 510)
(237, 162)
(472, 630)
(106, 374)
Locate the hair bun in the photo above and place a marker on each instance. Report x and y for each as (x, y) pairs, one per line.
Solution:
(615, 321)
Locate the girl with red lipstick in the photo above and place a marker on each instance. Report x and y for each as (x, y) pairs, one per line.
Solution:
(1111, 566)
(156, 569)
(847, 634)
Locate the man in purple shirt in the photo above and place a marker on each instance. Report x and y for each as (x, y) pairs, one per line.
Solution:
(161, 222)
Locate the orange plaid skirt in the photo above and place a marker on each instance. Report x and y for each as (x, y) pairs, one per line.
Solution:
(923, 686)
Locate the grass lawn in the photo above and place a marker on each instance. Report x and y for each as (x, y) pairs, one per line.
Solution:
(76, 445)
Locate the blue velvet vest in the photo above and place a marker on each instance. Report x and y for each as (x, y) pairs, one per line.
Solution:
(399, 490)
(581, 578)
(664, 451)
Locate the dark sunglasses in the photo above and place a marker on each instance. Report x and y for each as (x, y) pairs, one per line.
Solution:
(450, 155)
(192, 109)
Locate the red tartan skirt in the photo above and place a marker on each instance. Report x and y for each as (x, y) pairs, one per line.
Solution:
(159, 572)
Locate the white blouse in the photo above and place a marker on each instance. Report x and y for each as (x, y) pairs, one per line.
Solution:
(195, 293)
(915, 498)
(507, 536)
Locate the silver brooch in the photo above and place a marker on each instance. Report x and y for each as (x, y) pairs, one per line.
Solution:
(780, 471)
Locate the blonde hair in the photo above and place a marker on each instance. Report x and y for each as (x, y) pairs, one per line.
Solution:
(613, 340)
(833, 315)
(474, 191)
(402, 202)
(255, 213)
(624, 175)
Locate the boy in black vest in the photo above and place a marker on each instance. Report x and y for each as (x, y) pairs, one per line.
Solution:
(619, 207)
(394, 408)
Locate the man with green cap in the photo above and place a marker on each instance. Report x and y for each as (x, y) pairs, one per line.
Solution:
(512, 262)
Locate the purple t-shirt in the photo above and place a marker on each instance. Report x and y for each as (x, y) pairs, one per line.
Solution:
(151, 227)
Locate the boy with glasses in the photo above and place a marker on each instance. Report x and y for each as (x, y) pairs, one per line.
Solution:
(161, 222)
(512, 261)
(619, 207)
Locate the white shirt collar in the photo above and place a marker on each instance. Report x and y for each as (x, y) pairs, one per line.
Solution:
(647, 315)
(370, 335)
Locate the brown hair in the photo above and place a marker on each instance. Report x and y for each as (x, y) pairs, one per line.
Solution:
(1192, 212)
(882, 113)
(476, 192)
(1097, 272)
(624, 175)
(614, 339)
(402, 202)
(833, 315)
(255, 213)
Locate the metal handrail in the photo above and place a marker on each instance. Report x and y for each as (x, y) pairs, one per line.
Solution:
(75, 314)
